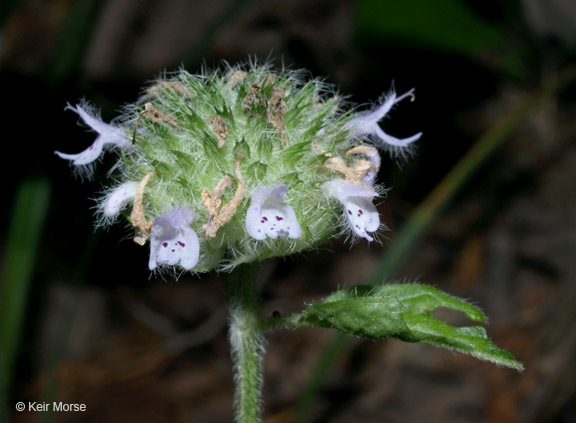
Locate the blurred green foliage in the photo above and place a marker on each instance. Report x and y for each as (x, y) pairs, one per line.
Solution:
(447, 25)
(25, 230)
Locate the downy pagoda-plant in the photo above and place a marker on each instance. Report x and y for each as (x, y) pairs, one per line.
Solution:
(222, 170)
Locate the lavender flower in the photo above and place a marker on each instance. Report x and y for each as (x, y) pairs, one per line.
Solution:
(360, 212)
(367, 123)
(172, 241)
(268, 216)
(108, 135)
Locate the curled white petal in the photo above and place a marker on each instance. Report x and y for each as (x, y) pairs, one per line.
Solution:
(118, 198)
(367, 124)
(107, 135)
(360, 212)
(341, 189)
(269, 216)
(173, 242)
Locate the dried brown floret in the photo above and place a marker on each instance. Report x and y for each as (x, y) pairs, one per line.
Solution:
(228, 210)
(211, 199)
(180, 88)
(275, 110)
(236, 78)
(354, 174)
(137, 215)
(252, 97)
(219, 129)
(156, 115)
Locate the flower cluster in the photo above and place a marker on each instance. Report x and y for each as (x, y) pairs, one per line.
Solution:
(240, 165)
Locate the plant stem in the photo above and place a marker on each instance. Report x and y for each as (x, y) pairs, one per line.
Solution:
(247, 342)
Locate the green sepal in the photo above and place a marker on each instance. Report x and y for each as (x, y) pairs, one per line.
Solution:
(403, 311)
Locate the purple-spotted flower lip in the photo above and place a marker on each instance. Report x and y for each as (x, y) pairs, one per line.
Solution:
(360, 212)
(367, 123)
(108, 135)
(269, 216)
(172, 240)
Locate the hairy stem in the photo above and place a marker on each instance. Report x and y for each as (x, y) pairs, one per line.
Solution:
(247, 342)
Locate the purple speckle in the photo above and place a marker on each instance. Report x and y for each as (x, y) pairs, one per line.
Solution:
(264, 219)
(181, 244)
(360, 212)
(349, 212)
(279, 218)
(164, 244)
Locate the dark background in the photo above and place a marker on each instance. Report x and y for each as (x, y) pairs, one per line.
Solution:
(98, 329)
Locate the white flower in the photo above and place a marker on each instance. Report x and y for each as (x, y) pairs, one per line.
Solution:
(172, 241)
(118, 198)
(360, 211)
(269, 216)
(367, 124)
(108, 135)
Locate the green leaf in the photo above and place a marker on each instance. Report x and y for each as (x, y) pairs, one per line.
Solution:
(403, 311)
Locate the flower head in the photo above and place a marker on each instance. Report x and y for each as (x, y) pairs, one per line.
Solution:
(254, 158)
(172, 241)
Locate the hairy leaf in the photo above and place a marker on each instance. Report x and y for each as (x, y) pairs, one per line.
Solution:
(403, 311)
